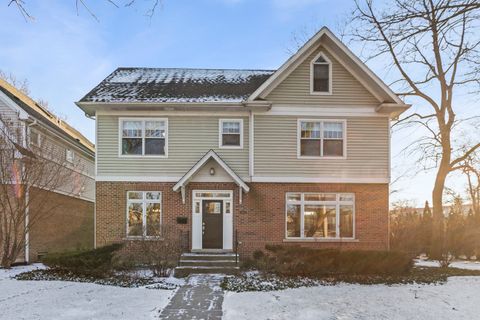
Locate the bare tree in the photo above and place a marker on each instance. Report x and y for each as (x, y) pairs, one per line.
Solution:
(22, 6)
(31, 171)
(434, 48)
(471, 169)
(20, 84)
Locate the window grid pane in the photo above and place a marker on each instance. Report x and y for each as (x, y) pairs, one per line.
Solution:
(144, 213)
(320, 215)
(143, 137)
(231, 127)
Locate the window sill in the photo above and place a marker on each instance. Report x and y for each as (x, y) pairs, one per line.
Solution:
(230, 147)
(143, 239)
(331, 240)
(142, 156)
(321, 158)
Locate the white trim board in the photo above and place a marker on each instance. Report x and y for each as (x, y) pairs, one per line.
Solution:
(318, 180)
(210, 155)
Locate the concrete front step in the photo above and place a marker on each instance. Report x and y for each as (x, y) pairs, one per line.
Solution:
(207, 263)
(183, 271)
(208, 256)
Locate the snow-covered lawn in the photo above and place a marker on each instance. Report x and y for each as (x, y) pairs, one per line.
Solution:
(72, 300)
(459, 298)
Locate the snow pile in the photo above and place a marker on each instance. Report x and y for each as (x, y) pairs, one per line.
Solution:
(457, 299)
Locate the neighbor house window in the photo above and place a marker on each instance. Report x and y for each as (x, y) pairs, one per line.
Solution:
(321, 74)
(231, 133)
(143, 137)
(144, 213)
(320, 215)
(34, 138)
(69, 155)
(321, 138)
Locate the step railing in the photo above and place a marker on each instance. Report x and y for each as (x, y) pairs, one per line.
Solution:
(236, 247)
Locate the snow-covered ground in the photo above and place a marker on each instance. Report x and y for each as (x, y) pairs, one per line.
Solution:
(72, 300)
(459, 298)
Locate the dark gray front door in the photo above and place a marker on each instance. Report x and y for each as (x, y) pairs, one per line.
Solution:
(212, 220)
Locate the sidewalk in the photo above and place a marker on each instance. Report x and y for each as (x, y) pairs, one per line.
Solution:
(200, 298)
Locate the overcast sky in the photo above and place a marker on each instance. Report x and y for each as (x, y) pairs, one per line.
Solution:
(64, 55)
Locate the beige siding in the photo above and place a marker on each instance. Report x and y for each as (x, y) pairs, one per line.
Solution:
(189, 138)
(346, 89)
(276, 149)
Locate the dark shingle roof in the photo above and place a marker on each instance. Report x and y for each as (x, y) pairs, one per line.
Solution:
(177, 85)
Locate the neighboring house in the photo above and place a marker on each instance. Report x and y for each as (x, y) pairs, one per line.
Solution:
(298, 155)
(70, 224)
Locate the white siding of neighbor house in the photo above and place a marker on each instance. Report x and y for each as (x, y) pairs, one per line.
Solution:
(276, 149)
(346, 89)
(189, 138)
(80, 182)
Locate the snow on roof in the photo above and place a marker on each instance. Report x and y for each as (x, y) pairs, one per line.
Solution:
(177, 85)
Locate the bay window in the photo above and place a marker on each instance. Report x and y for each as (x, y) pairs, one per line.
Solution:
(320, 215)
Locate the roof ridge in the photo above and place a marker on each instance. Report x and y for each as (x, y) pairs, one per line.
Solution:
(185, 68)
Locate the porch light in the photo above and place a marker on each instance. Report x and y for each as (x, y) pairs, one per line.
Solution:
(212, 171)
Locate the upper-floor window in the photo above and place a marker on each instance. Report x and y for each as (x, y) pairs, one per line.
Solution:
(69, 155)
(34, 138)
(321, 138)
(321, 75)
(144, 137)
(144, 213)
(231, 133)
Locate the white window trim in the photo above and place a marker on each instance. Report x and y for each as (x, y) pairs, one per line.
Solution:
(144, 202)
(195, 198)
(321, 156)
(39, 138)
(120, 135)
(220, 133)
(330, 80)
(337, 203)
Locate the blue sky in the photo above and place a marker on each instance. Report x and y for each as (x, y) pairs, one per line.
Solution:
(64, 55)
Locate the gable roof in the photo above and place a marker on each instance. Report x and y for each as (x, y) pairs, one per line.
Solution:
(210, 155)
(346, 57)
(177, 85)
(39, 113)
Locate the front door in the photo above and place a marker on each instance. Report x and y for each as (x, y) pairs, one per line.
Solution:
(212, 224)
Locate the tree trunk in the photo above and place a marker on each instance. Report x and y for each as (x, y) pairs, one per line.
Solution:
(438, 234)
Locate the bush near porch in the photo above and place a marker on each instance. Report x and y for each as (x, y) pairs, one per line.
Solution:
(289, 261)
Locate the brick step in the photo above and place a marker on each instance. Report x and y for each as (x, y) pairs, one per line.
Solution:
(208, 256)
(183, 271)
(208, 263)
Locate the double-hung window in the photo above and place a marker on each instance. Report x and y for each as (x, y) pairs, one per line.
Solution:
(144, 137)
(321, 75)
(320, 215)
(69, 155)
(231, 133)
(144, 213)
(321, 138)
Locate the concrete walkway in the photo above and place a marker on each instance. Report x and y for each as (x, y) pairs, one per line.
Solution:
(200, 298)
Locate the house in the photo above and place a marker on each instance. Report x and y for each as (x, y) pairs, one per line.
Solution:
(297, 155)
(68, 224)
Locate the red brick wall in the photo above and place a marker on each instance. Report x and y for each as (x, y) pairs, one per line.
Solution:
(67, 226)
(260, 219)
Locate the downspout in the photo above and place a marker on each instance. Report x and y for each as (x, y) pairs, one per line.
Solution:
(95, 174)
(27, 196)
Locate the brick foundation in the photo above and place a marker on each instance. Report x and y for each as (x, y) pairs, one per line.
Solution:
(260, 219)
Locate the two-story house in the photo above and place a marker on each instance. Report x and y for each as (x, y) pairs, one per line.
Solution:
(58, 215)
(295, 155)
